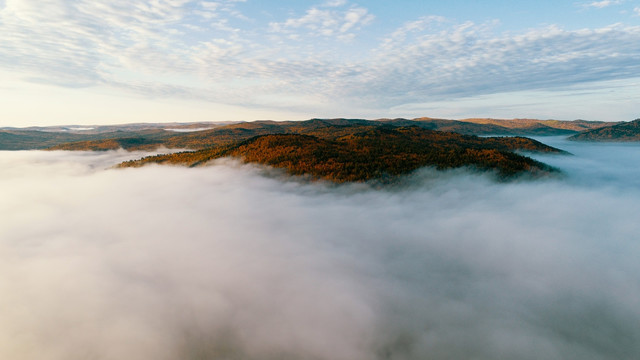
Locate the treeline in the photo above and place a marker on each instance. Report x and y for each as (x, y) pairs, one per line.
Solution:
(378, 153)
(626, 131)
(329, 129)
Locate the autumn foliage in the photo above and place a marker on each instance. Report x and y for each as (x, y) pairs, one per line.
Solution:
(380, 153)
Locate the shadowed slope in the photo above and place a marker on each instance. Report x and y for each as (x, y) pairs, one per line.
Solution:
(627, 131)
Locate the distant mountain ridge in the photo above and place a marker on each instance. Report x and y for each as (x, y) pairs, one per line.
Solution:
(201, 135)
(536, 125)
(626, 131)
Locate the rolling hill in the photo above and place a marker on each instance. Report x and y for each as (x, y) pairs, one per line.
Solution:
(626, 131)
(542, 127)
(202, 135)
(380, 153)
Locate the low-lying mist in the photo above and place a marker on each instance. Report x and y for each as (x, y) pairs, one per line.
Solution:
(224, 262)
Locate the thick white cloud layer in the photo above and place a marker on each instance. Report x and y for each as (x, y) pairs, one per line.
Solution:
(225, 262)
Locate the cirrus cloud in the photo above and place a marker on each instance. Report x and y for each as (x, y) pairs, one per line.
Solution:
(327, 22)
(195, 49)
(603, 3)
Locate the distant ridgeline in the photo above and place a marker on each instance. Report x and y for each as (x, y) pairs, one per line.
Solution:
(333, 149)
(151, 136)
(626, 131)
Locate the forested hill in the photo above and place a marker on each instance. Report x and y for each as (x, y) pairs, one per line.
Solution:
(203, 135)
(380, 153)
(323, 128)
(626, 131)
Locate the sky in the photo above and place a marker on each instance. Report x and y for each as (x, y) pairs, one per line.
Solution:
(120, 61)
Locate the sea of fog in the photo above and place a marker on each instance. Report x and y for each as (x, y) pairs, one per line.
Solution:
(232, 261)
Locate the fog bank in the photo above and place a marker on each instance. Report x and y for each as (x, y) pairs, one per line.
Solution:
(225, 262)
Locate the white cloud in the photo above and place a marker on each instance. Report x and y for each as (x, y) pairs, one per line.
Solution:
(328, 22)
(416, 26)
(637, 10)
(335, 3)
(71, 40)
(90, 42)
(223, 262)
(354, 17)
(185, 48)
(426, 60)
(469, 59)
(603, 3)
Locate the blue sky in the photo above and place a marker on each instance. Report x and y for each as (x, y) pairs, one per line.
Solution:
(121, 61)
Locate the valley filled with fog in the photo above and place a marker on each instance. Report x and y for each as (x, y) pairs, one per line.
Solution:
(233, 261)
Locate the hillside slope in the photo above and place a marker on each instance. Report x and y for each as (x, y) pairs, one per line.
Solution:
(381, 153)
(626, 131)
(542, 127)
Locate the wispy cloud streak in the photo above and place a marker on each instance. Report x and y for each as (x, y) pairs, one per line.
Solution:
(603, 3)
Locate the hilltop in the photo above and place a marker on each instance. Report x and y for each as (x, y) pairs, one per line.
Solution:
(626, 131)
(378, 153)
